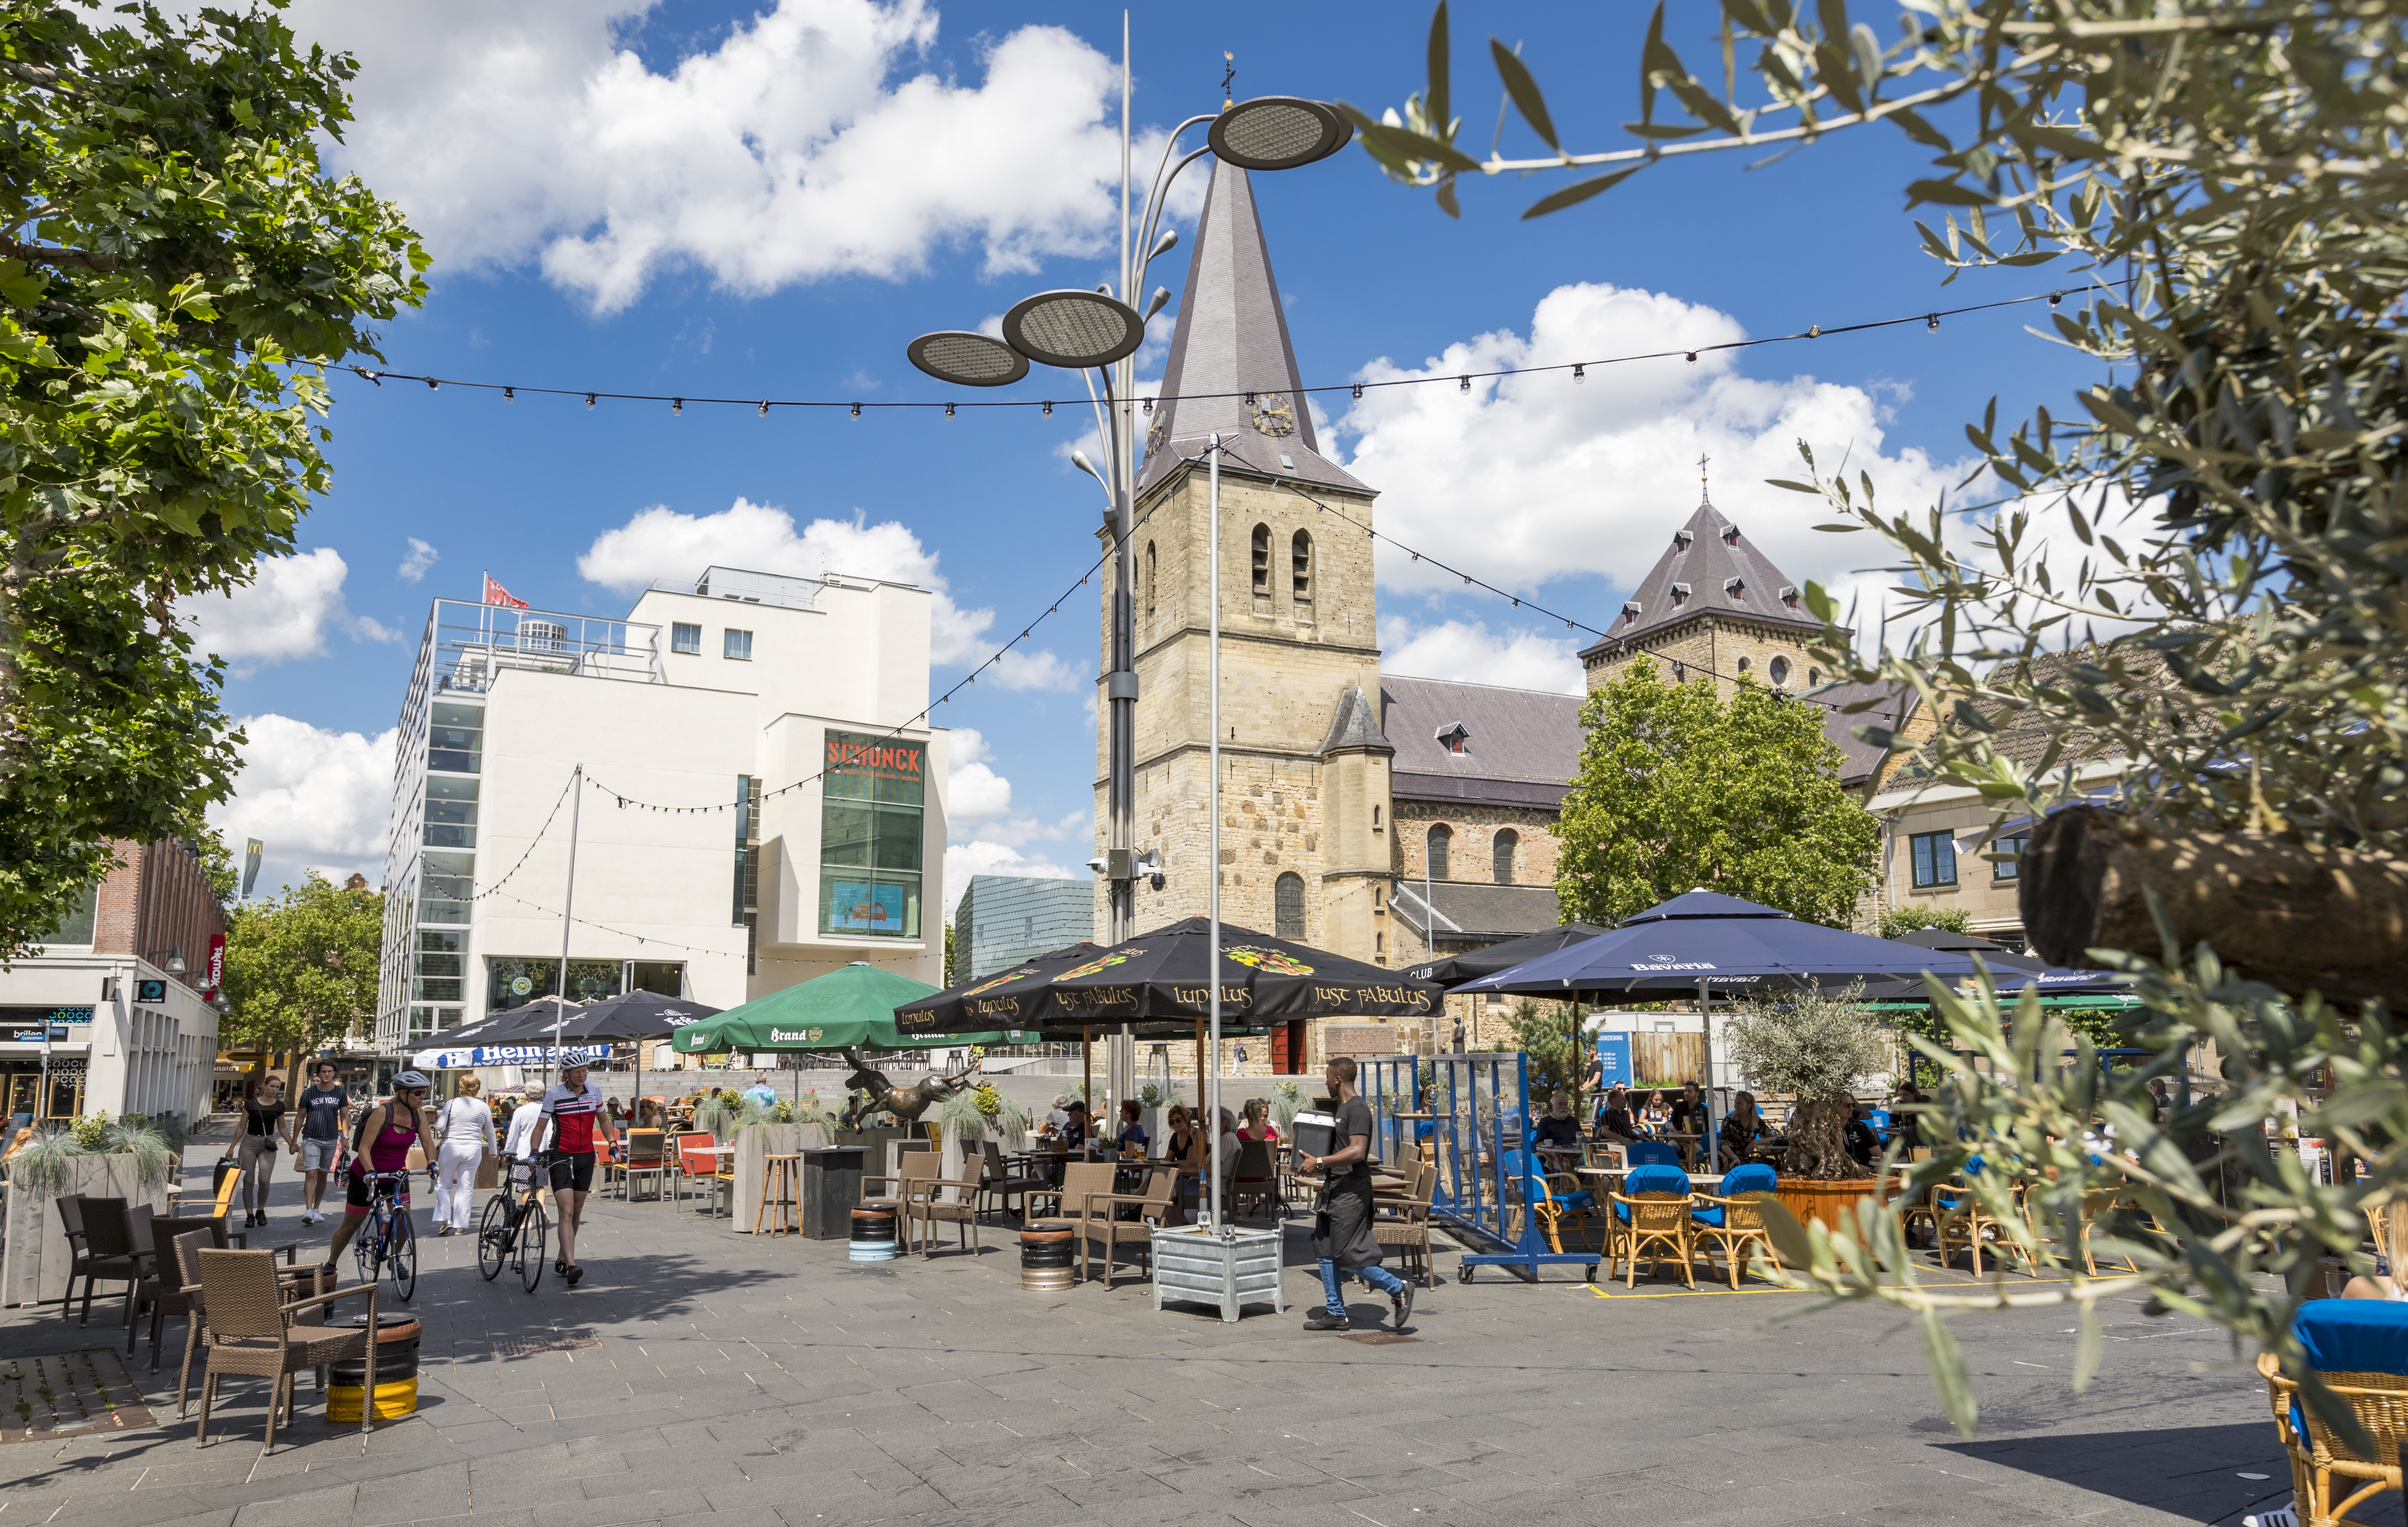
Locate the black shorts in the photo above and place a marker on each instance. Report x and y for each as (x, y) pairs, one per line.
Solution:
(357, 1194)
(571, 1173)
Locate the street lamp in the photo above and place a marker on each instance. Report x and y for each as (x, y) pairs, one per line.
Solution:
(1097, 334)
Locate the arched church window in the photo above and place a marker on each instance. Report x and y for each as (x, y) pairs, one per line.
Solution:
(1441, 838)
(1506, 843)
(1742, 665)
(1288, 897)
(1779, 669)
(1150, 583)
(1299, 557)
(1262, 562)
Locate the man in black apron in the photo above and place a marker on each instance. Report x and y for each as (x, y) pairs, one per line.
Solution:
(1341, 1226)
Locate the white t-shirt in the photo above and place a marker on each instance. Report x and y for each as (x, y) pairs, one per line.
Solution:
(466, 1120)
(523, 1139)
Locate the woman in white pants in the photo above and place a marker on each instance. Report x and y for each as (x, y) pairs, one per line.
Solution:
(463, 1133)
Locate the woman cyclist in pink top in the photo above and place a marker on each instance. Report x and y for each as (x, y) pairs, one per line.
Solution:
(382, 1144)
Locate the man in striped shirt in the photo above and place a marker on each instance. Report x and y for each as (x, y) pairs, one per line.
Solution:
(573, 1108)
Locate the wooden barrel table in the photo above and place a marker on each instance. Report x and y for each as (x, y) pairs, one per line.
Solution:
(396, 1374)
(1046, 1248)
(873, 1230)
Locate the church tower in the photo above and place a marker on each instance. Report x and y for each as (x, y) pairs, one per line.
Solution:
(1304, 793)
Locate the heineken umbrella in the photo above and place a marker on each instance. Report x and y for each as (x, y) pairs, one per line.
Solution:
(520, 1027)
(1161, 977)
(851, 1007)
(637, 1015)
(1472, 965)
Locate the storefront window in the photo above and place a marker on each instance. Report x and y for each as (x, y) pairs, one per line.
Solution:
(872, 797)
(513, 981)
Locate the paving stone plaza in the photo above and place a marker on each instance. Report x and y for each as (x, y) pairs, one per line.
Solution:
(700, 1376)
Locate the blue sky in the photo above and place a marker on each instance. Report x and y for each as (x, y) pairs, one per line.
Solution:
(769, 201)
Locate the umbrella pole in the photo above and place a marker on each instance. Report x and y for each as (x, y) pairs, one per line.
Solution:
(1087, 1073)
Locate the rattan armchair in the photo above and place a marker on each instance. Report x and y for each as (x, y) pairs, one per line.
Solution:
(2322, 1465)
(1404, 1223)
(924, 1203)
(1960, 1219)
(252, 1330)
(1742, 1227)
(1639, 1221)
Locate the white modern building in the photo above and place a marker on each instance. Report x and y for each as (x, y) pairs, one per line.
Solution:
(764, 800)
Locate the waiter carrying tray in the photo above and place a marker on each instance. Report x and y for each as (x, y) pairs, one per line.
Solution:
(1341, 1226)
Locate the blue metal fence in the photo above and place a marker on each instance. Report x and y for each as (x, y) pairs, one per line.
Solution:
(1471, 1110)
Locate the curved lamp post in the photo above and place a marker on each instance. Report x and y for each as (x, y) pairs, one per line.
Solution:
(1097, 334)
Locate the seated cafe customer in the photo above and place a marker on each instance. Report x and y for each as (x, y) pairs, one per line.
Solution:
(1614, 1121)
(1074, 1125)
(1742, 1129)
(1558, 1128)
(1131, 1138)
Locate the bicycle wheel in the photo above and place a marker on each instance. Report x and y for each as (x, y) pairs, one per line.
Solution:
(367, 1243)
(494, 1237)
(531, 1246)
(402, 1255)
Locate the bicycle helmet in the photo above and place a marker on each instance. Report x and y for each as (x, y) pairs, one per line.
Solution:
(414, 1081)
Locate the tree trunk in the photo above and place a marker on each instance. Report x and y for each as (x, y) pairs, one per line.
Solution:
(2300, 918)
(1818, 1141)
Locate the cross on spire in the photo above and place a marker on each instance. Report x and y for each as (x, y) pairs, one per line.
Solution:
(1702, 460)
(1229, 80)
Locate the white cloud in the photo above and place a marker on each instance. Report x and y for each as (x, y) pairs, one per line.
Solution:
(318, 800)
(282, 613)
(662, 543)
(801, 147)
(1537, 477)
(1466, 652)
(988, 835)
(414, 565)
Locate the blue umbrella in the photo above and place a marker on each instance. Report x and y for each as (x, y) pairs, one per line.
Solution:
(1704, 939)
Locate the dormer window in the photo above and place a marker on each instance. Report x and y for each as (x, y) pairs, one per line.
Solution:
(1454, 738)
(1789, 595)
(1735, 587)
(1731, 536)
(1680, 541)
(1630, 609)
(1680, 594)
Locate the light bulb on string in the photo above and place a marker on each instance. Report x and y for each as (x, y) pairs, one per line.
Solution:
(677, 406)
(1579, 373)
(857, 410)
(765, 409)
(510, 394)
(949, 411)
(432, 384)
(1048, 408)
(1466, 382)
(589, 403)
(1932, 324)
(1358, 391)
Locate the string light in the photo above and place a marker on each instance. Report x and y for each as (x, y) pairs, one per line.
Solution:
(949, 411)
(765, 408)
(1463, 382)
(1934, 324)
(677, 406)
(432, 384)
(589, 403)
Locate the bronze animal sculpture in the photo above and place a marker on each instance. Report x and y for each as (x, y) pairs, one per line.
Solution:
(906, 1103)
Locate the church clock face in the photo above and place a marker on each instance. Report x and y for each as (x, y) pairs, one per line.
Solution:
(1274, 415)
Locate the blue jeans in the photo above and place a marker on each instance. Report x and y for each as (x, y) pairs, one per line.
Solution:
(1376, 1277)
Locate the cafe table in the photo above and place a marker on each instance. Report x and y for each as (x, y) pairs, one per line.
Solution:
(1608, 1178)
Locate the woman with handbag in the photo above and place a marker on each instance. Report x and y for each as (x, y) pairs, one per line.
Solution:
(253, 1147)
(465, 1130)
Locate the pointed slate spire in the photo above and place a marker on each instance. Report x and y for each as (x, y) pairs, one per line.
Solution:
(1709, 569)
(1232, 338)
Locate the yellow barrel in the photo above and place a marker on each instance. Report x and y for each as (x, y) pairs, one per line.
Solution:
(396, 1399)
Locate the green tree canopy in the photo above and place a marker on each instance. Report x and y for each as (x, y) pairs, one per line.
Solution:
(1901, 920)
(302, 969)
(176, 272)
(1678, 792)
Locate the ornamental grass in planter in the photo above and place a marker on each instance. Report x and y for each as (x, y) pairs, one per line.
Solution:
(1814, 1048)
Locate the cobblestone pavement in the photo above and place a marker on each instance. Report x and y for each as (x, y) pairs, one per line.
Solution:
(700, 1376)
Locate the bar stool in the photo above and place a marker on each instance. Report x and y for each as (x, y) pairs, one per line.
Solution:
(781, 1192)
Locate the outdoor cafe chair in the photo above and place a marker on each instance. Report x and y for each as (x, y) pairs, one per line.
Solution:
(698, 1161)
(1085, 1185)
(1252, 1175)
(647, 1157)
(2347, 1343)
(1652, 1213)
(924, 1202)
(1095, 1216)
(1001, 1186)
(1650, 1154)
(911, 1168)
(220, 1207)
(1404, 1223)
(110, 1254)
(1733, 1221)
(1962, 1219)
(1555, 1197)
(254, 1331)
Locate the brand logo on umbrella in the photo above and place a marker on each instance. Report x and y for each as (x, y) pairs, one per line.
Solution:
(1665, 962)
(796, 1036)
(1115, 957)
(1007, 975)
(1270, 962)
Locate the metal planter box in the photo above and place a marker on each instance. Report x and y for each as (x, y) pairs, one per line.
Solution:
(1232, 1271)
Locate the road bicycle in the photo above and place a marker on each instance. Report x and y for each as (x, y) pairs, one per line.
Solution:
(388, 1239)
(512, 1231)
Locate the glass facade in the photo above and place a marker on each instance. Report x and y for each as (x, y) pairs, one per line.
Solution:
(456, 738)
(872, 798)
(438, 945)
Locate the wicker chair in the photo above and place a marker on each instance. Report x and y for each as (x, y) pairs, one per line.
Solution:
(1404, 1223)
(1091, 1209)
(254, 1330)
(110, 1253)
(1252, 1175)
(1960, 1219)
(924, 1203)
(1741, 1227)
(912, 1168)
(2323, 1466)
(1000, 1188)
(1641, 1220)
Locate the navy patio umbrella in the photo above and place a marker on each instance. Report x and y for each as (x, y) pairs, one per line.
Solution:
(1472, 965)
(2011, 972)
(1706, 939)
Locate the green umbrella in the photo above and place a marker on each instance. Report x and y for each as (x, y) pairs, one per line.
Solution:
(849, 1007)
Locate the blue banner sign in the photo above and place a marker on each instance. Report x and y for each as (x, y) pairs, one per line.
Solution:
(1613, 1058)
(453, 1060)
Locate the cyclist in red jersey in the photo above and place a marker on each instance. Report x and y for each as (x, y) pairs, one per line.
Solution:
(574, 1109)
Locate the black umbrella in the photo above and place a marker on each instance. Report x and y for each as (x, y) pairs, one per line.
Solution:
(1472, 965)
(1161, 977)
(632, 1015)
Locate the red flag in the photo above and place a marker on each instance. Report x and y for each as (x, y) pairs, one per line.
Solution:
(216, 976)
(496, 594)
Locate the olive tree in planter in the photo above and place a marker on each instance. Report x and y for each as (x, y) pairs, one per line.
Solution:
(1812, 1046)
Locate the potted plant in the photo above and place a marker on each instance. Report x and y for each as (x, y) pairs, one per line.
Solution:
(1812, 1046)
(1287, 1101)
(128, 1159)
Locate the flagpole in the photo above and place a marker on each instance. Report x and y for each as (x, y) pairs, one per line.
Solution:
(1212, 946)
(567, 905)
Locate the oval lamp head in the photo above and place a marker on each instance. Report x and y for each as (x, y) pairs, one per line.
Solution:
(965, 359)
(1079, 460)
(1073, 329)
(1278, 132)
(1156, 303)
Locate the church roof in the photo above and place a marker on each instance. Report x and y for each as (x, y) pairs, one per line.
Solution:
(1520, 747)
(1710, 568)
(1232, 338)
(1356, 725)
